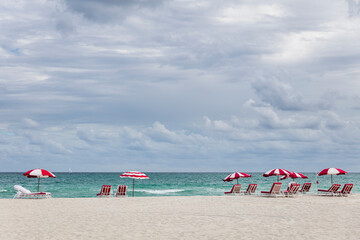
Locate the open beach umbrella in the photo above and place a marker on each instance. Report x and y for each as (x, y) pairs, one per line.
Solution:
(332, 171)
(134, 175)
(294, 175)
(39, 173)
(277, 172)
(236, 175)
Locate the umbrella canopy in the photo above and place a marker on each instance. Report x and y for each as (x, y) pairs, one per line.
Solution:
(332, 171)
(277, 172)
(134, 175)
(236, 175)
(39, 173)
(294, 175)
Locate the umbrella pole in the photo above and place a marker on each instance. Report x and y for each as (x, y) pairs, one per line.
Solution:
(237, 181)
(331, 180)
(133, 186)
(38, 183)
(278, 177)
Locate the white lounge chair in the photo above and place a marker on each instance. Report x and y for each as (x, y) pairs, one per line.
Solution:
(25, 193)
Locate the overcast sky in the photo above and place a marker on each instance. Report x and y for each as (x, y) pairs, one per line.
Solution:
(179, 85)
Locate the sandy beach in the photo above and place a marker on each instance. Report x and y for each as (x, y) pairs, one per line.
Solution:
(303, 217)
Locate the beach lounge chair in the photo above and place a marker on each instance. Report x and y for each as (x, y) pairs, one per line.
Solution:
(346, 190)
(305, 188)
(25, 193)
(331, 191)
(250, 190)
(121, 191)
(105, 191)
(274, 191)
(235, 189)
(292, 190)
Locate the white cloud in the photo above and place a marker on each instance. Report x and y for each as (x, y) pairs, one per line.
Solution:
(45, 143)
(298, 47)
(354, 8)
(219, 125)
(29, 123)
(278, 94)
(250, 14)
(332, 120)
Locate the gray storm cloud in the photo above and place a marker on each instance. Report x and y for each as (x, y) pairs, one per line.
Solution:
(179, 85)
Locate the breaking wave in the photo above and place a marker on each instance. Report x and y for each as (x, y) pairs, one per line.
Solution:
(165, 191)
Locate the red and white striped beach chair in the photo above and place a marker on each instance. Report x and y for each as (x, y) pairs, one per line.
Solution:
(105, 191)
(331, 191)
(305, 188)
(292, 190)
(346, 190)
(274, 191)
(25, 193)
(250, 190)
(121, 191)
(235, 189)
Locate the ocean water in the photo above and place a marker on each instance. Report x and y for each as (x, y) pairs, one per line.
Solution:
(86, 185)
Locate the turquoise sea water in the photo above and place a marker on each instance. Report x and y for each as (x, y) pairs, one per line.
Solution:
(85, 185)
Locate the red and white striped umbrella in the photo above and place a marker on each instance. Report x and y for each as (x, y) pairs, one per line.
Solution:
(332, 171)
(134, 175)
(297, 175)
(294, 175)
(277, 172)
(236, 175)
(39, 173)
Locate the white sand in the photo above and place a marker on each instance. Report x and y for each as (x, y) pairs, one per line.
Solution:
(234, 217)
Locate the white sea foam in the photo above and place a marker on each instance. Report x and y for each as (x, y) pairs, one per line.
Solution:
(3, 190)
(164, 191)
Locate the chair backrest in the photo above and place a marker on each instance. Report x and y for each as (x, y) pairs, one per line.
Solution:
(291, 185)
(105, 190)
(121, 190)
(334, 188)
(251, 188)
(347, 188)
(294, 188)
(22, 189)
(305, 187)
(275, 189)
(236, 188)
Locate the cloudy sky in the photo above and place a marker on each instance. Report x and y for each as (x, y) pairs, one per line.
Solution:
(179, 85)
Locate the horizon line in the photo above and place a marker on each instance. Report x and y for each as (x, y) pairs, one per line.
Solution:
(161, 172)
